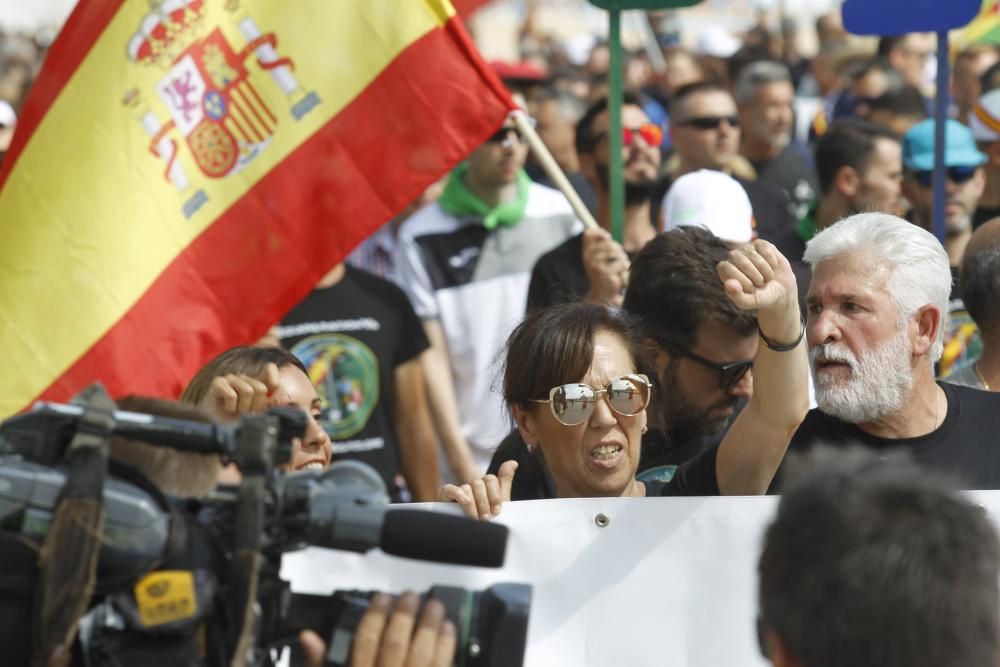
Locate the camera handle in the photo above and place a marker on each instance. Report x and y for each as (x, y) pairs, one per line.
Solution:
(65, 584)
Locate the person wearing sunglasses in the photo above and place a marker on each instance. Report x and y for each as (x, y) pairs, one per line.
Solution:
(701, 346)
(705, 130)
(593, 266)
(706, 133)
(577, 382)
(465, 262)
(964, 182)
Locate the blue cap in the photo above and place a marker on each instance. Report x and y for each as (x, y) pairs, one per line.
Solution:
(959, 146)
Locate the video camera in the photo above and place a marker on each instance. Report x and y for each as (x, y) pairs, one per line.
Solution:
(269, 513)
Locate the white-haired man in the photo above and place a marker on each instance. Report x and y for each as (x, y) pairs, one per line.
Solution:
(879, 290)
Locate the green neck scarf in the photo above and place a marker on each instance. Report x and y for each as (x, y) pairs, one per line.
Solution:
(807, 224)
(458, 200)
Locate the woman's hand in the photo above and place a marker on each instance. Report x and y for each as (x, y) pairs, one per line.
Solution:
(483, 498)
(230, 396)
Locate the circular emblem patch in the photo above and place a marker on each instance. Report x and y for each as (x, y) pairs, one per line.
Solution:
(345, 373)
(214, 149)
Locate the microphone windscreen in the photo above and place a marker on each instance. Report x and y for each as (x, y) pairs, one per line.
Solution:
(443, 538)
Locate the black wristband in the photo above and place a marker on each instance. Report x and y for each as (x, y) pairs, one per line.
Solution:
(771, 345)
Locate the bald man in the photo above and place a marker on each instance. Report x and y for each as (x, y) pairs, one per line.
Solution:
(979, 281)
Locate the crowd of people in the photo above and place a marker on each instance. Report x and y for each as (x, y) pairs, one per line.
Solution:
(484, 346)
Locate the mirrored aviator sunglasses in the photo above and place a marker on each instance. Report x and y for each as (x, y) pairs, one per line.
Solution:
(573, 404)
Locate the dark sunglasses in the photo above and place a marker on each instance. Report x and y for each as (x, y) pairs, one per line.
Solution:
(502, 134)
(956, 175)
(729, 374)
(709, 122)
(572, 404)
(651, 133)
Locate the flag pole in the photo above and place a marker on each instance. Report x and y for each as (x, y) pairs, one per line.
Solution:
(616, 179)
(551, 167)
(940, 118)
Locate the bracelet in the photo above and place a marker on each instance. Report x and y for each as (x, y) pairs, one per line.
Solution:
(788, 347)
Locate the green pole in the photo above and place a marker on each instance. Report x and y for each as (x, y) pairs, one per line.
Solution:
(616, 180)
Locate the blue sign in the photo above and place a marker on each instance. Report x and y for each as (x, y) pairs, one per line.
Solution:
(895, 17)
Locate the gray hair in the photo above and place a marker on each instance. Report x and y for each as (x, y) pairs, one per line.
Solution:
(755, 75)
(919, 270)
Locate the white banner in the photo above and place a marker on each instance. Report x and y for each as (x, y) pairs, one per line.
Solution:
(668, 582)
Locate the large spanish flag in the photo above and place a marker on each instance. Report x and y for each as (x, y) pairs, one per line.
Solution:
(185, 170)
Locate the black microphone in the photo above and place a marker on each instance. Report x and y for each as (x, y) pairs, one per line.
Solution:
(346, 507)
(336, 522)
(443, 538)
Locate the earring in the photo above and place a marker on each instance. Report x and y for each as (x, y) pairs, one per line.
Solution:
(530, 446)
(644, 429)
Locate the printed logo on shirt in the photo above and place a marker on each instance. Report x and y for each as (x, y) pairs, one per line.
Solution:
(464, 258)
(346, 375)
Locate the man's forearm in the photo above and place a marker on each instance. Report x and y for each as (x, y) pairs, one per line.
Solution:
(756, 444)
(781, 379)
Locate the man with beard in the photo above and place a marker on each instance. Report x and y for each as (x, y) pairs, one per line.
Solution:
(702, 348)
(592, 265)
(876, 305)
(964, 184)
(701, 345)
(765, 98)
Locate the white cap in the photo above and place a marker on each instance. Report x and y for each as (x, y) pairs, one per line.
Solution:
(984, 119)
(717, 41)
(712, 200)
(7, 116)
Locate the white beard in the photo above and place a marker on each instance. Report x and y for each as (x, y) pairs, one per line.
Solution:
(879, 383)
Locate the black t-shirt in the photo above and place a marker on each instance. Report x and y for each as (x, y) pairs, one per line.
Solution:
(965, 445)
(559, 276)
(694, 476)
(792, 171)
(532, 480)
(697, 477)
(773, 211)
(351, 337)
(663, 455)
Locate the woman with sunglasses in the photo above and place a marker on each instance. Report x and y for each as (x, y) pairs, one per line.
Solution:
(578, 388)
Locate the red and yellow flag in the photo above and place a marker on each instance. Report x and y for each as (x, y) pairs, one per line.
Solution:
(184, 171)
